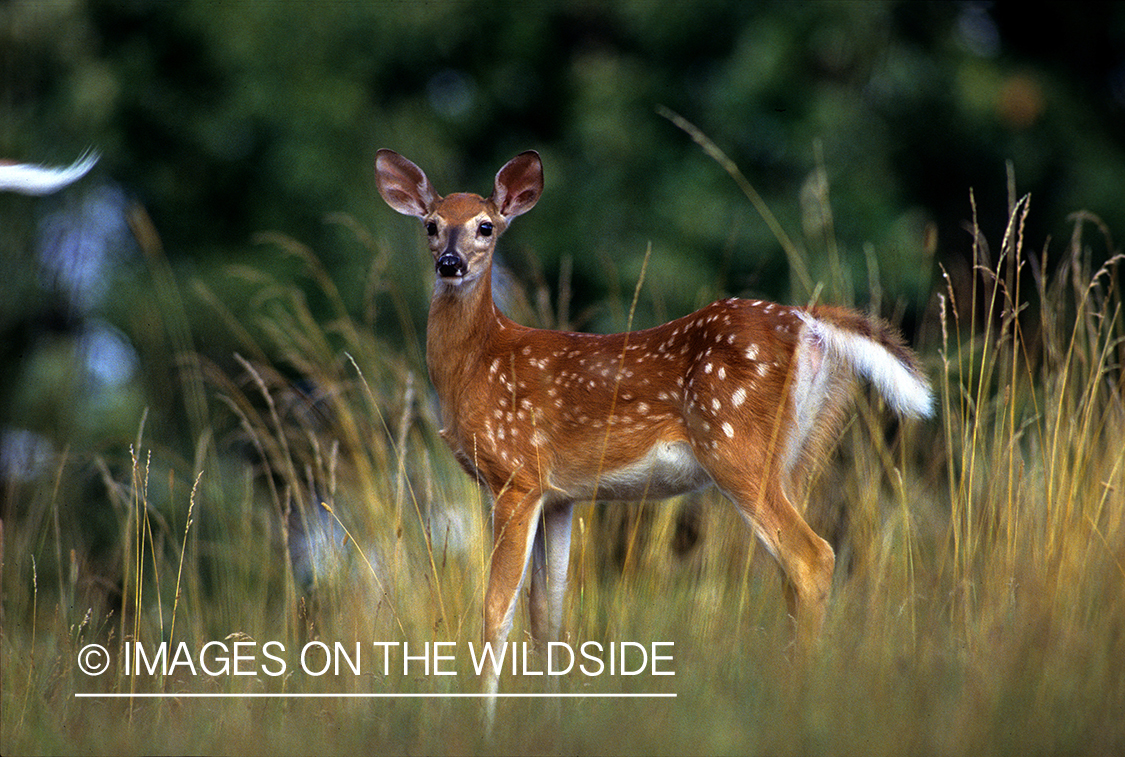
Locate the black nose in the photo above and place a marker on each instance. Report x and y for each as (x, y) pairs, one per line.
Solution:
(450, 266)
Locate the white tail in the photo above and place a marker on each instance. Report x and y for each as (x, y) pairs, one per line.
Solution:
(742, 394)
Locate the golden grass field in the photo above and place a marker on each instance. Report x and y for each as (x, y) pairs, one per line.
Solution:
(979, 605)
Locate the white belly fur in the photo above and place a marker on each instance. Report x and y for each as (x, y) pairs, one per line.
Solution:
(667, 469)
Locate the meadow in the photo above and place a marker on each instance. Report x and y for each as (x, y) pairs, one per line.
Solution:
(979, 601)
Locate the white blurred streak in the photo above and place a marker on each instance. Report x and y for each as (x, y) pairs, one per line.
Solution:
(41, 180)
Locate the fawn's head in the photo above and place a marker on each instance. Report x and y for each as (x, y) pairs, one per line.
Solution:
(461, 228)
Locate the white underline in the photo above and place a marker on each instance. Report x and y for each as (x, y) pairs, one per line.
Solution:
(407, 695)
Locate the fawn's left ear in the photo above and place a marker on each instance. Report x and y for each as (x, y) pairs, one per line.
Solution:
(403, 185)
(518, 185)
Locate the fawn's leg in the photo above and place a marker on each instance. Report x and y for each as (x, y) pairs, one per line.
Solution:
(515, 521)
(550, 560)
(751, 481)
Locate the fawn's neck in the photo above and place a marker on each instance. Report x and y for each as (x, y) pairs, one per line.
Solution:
(462, 325)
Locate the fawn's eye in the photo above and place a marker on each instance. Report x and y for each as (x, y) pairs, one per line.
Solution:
(485, 229)
(431, 228)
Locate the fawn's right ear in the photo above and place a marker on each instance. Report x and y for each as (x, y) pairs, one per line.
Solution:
(403, 185)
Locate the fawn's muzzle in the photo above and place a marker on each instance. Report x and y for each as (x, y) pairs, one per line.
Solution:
(450, 266)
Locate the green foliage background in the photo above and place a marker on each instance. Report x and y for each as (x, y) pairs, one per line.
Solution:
(224, 120)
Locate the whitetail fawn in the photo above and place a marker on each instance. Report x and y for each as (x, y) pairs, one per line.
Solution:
(743, 394)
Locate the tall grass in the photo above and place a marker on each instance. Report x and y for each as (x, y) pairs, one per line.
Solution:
(979, 608)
